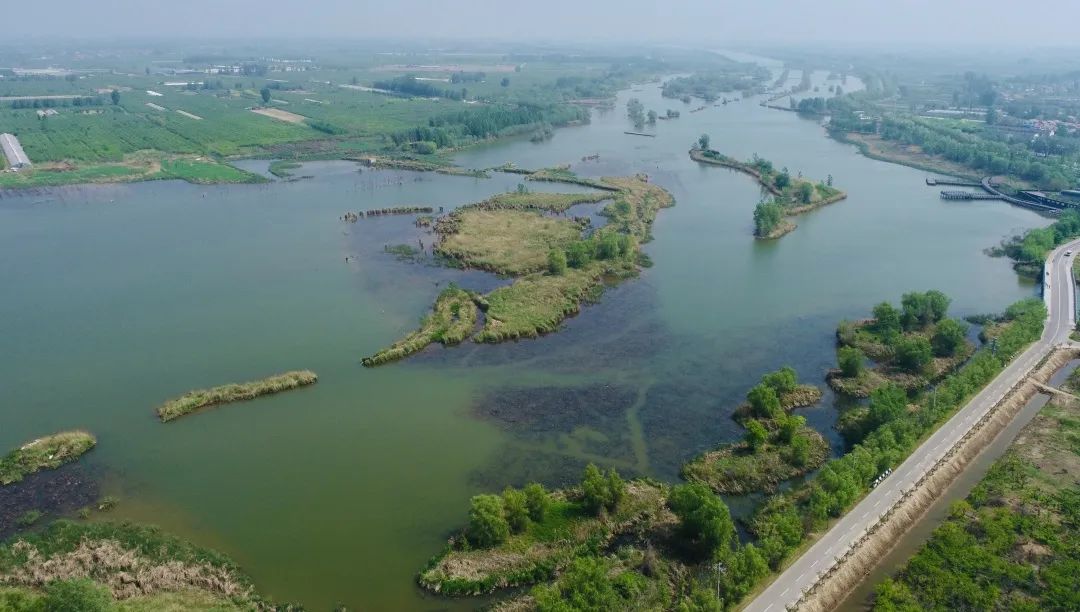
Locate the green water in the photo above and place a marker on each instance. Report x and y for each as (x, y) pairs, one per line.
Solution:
(118, 297)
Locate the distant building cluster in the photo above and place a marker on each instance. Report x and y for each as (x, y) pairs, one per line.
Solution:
(16, 157)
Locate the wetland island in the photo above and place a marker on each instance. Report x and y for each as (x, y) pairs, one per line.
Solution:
(636, 405)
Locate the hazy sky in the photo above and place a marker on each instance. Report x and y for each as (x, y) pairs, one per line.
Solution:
(1039, 22)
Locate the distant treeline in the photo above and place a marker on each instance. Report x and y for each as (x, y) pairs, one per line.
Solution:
(971, 147)
(482, 122)
(467, 77)
(54, 103)
(710, 85)
(412, 86)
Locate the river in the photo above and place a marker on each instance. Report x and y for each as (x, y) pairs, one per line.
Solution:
(118, 297)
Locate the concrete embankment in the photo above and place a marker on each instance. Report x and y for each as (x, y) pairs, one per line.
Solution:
(852, 567)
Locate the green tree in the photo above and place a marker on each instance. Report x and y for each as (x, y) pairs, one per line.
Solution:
(767, 216)
(115, 95)
(887, 320)
(265, 93)
(805, 192)
(487, 522)
(948, 337)
(789, 426)
(704, 520)
(764, 403)
(579, 254)
(505, 82)
(600, 491)
(650, 118)
(914, 354)
(703, 142)
(800, 451)
(937, 305)
(782, 180)
(515, 507)
(852, 361)
(537, 501)
(557, 262)
(784, 380)
(745, 567)
(756, 434)
(77, 595)
(607, 246)
(887, 404)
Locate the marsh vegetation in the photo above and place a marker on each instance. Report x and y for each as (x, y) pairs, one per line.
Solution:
(202, 398)
(47, 453)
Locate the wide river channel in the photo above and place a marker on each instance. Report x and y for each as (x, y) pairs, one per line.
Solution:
(116, 298)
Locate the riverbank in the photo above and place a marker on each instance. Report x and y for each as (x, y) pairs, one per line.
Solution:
(878, 148)
(136, 167)
(202, 398)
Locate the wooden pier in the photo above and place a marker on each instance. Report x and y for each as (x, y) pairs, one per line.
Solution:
(952, 182)
(967, 195)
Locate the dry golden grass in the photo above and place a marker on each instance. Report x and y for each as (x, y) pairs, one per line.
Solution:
(513, 242)
(124, 571)
(536, 304)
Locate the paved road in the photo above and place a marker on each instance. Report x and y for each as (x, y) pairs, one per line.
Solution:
(1059, 295)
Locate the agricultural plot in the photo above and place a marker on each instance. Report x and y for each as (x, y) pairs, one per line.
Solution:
(277, 113)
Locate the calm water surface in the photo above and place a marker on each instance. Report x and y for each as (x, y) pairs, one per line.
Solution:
(118, 297)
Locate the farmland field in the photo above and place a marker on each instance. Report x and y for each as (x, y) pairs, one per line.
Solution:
(170, 105)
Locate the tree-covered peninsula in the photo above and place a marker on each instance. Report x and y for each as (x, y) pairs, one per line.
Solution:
(787, 195)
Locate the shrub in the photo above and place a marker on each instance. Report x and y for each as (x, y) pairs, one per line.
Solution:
(914, 354)
(579, 254)
(756, 434)
(782, 381)
(764, 403)
(704, 520)
(600, 491)
(77, 595)
(515, 509)
(557, 262)
(537, 501)
(487, 524)
(948, 337)
(852, 361)
(583, 586)
(789, 426)
(886, 319)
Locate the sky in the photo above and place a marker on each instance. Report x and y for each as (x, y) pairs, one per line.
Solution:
(893, 22)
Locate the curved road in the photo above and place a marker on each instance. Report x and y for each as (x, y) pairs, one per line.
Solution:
(1059, 295)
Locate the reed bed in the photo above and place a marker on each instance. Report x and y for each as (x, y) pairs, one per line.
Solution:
(452, 320)
(49, 452)
(201, 398)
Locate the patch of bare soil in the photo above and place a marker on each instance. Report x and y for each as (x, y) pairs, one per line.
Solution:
(277, 113)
